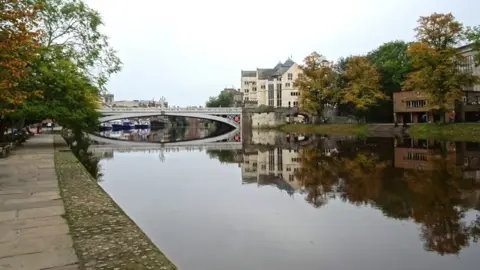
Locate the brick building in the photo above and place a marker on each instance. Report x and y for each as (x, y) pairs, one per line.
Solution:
(412, 106)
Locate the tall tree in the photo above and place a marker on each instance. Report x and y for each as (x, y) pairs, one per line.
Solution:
(473, 36)
(224, 99)
(73, 28)
(363, 85)
(318, 84)
(18, 48)
(68, 96)
(435, 60)
(392, 63)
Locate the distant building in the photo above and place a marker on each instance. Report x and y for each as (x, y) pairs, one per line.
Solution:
(237, 96)
(162, 103)
(272, 86)
(108, 99)
(413, 107)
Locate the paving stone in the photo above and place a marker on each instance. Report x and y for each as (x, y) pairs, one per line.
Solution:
(41, 212)
(43, 231)
(33, 222)
(45, 193)
(41, 260)
(10, 191)
(7, 235)
(31, 199)
(34, 245)
(70, 267)
(7, 216)
(25, 206)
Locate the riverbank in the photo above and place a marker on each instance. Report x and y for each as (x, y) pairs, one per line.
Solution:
(327, 129)
(452, 132)
(103, 235)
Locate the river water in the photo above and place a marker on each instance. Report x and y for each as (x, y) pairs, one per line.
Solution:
(306, 202)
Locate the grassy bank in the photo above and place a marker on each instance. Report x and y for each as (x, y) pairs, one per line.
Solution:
(103, 235)
(332, 129)
(452, 132)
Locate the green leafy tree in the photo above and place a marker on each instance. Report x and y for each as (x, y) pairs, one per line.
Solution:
(68, 96)
(392, 63)
(318, 84)
(73, 28)
(224, 99)
(435, 61)
(363, 85)
(473, 36)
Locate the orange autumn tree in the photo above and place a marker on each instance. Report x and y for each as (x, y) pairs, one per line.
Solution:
(436, 62)
(18, 48)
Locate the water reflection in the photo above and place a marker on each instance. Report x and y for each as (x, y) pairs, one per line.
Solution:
(174, 129)
(434, 185)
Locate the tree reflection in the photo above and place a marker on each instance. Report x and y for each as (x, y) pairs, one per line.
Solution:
(437, 196)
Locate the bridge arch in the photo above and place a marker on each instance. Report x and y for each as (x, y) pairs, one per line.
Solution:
(122, 115)
(203, 141)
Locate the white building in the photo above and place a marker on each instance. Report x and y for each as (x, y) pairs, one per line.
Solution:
(272, 87)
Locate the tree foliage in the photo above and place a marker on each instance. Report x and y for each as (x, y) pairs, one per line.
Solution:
(66, 67)
(224, 99)
(436, 61)
(73, 28)
(392, 63)
(18, 48)
(68, 96)
(318, 84)
(363, 84)
(473, 36)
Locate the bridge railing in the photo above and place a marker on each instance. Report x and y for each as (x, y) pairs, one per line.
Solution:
(226, 109)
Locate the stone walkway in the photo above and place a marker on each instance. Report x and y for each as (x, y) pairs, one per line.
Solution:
(33, 233)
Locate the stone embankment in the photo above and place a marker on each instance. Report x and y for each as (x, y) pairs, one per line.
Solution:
(103, 235)
(54, 216)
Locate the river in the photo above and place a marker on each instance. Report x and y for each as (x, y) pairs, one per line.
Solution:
(306, 202)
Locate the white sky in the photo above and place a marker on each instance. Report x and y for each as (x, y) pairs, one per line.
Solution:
(188, 50)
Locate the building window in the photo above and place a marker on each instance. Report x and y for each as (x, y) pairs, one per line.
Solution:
(291, 177)
(287, 84)
(290, 76)
(262, 86)
(416, 103)
(289, 169)
(246, 98)
(246, 83)
(264, 167)
(254, 89)
(469, 64)
(279, 95)
(254, 83)
(295, 103)
(416, 156)
(246, 90)
(270, 95)
(271, 160)
(295, 94)
(279, 159)
(289, 104)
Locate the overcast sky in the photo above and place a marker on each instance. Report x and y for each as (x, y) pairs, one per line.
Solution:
(188, 50)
